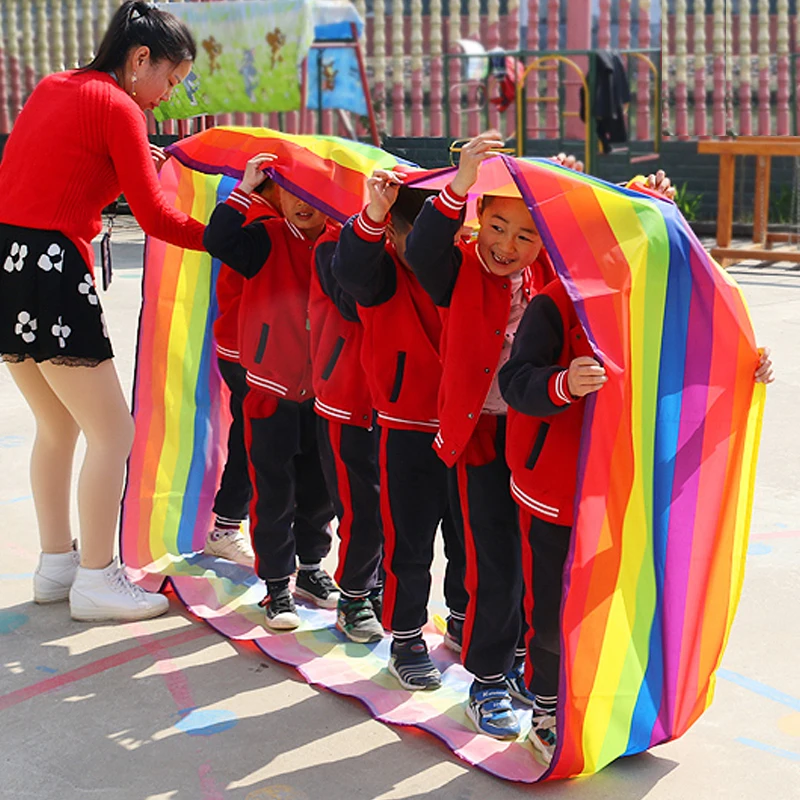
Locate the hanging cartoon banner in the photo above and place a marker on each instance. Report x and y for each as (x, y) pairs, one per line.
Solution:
(248, 57)
(335, 80)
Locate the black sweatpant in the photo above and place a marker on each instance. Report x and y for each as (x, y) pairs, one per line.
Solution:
(545, 547)
(235, 490)
(350, 464)
(414, 500)
(291, 508)
(493, 631)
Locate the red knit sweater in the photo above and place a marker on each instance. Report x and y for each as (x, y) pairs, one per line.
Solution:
(78, 142)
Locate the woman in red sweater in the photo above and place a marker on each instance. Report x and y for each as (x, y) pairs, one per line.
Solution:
(81, 139)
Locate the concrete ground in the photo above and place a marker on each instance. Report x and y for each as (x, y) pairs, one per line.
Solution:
(93, 710)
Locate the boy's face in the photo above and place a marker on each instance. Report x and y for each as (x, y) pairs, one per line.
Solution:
(507, 240)
(301, 214)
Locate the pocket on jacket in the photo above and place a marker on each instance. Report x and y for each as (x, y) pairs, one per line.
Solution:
(398, 377)
(538, 444)
(262, 343)
(337, 351)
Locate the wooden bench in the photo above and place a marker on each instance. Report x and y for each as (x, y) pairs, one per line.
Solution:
(763, 148)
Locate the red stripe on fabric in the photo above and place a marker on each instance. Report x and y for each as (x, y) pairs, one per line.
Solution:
(471, 568)
(596, 554)
(162, 284)
(345, 527)
(101, 665)
(389, 536)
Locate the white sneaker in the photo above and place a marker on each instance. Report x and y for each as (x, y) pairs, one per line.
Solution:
(107, 594)
(54, 575)
(231, 545)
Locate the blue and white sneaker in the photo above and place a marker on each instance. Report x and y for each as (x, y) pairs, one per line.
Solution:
(543, 735)
(491, 712)
(515, 683)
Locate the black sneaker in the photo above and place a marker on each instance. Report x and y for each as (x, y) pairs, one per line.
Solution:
(412, 666)
(355, 618)
(280, 611)
(318, 587)
(454, 634)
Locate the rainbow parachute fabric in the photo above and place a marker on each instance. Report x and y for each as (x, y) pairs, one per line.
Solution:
(666, 470)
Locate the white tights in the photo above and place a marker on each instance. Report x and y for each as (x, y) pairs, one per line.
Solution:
(67, 401)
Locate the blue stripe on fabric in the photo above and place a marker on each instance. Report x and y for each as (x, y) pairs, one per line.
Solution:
(668, 416)
(204, 405)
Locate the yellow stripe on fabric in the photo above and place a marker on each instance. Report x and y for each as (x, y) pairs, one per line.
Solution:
(641, 232)
(183, 363)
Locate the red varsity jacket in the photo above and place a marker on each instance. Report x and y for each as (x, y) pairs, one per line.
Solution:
(340, 385)
(229, 288)
(544, 420)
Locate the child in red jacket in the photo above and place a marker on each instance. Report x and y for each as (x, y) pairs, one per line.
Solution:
(235, 490)
(348, 442)
(400, 355)
(550, 371)
(291, 509)
(482, 288)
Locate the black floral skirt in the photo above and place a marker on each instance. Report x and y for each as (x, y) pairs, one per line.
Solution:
(49, 308)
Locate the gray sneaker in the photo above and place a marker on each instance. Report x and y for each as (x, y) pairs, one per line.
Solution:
(355, 618)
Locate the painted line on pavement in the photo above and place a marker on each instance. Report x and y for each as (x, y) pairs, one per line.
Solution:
(101, 665)
(768, 748)
(760, 688)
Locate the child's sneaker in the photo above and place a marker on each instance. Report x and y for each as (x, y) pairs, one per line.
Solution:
(454, 634)
(55, 574)
(515, 683)
(543, 735)
(412, 666)
(280, 611)
(98, 595)
(318, 587)
(355, 618)
(230, 545)
(491, 712)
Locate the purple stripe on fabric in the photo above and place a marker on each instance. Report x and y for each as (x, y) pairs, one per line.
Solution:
(201, 166)
(309, 198)
(550, 245)
(686, 490)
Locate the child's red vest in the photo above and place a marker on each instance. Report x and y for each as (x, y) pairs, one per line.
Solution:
(474, 328)
(542, 452)
(340, 385)
(274, 342)
(229, 290)
(400, 355)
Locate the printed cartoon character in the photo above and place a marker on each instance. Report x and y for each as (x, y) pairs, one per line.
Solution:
(192, 86)
(214, 49)
(249, 74)
(329, 76)
(276, 40)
